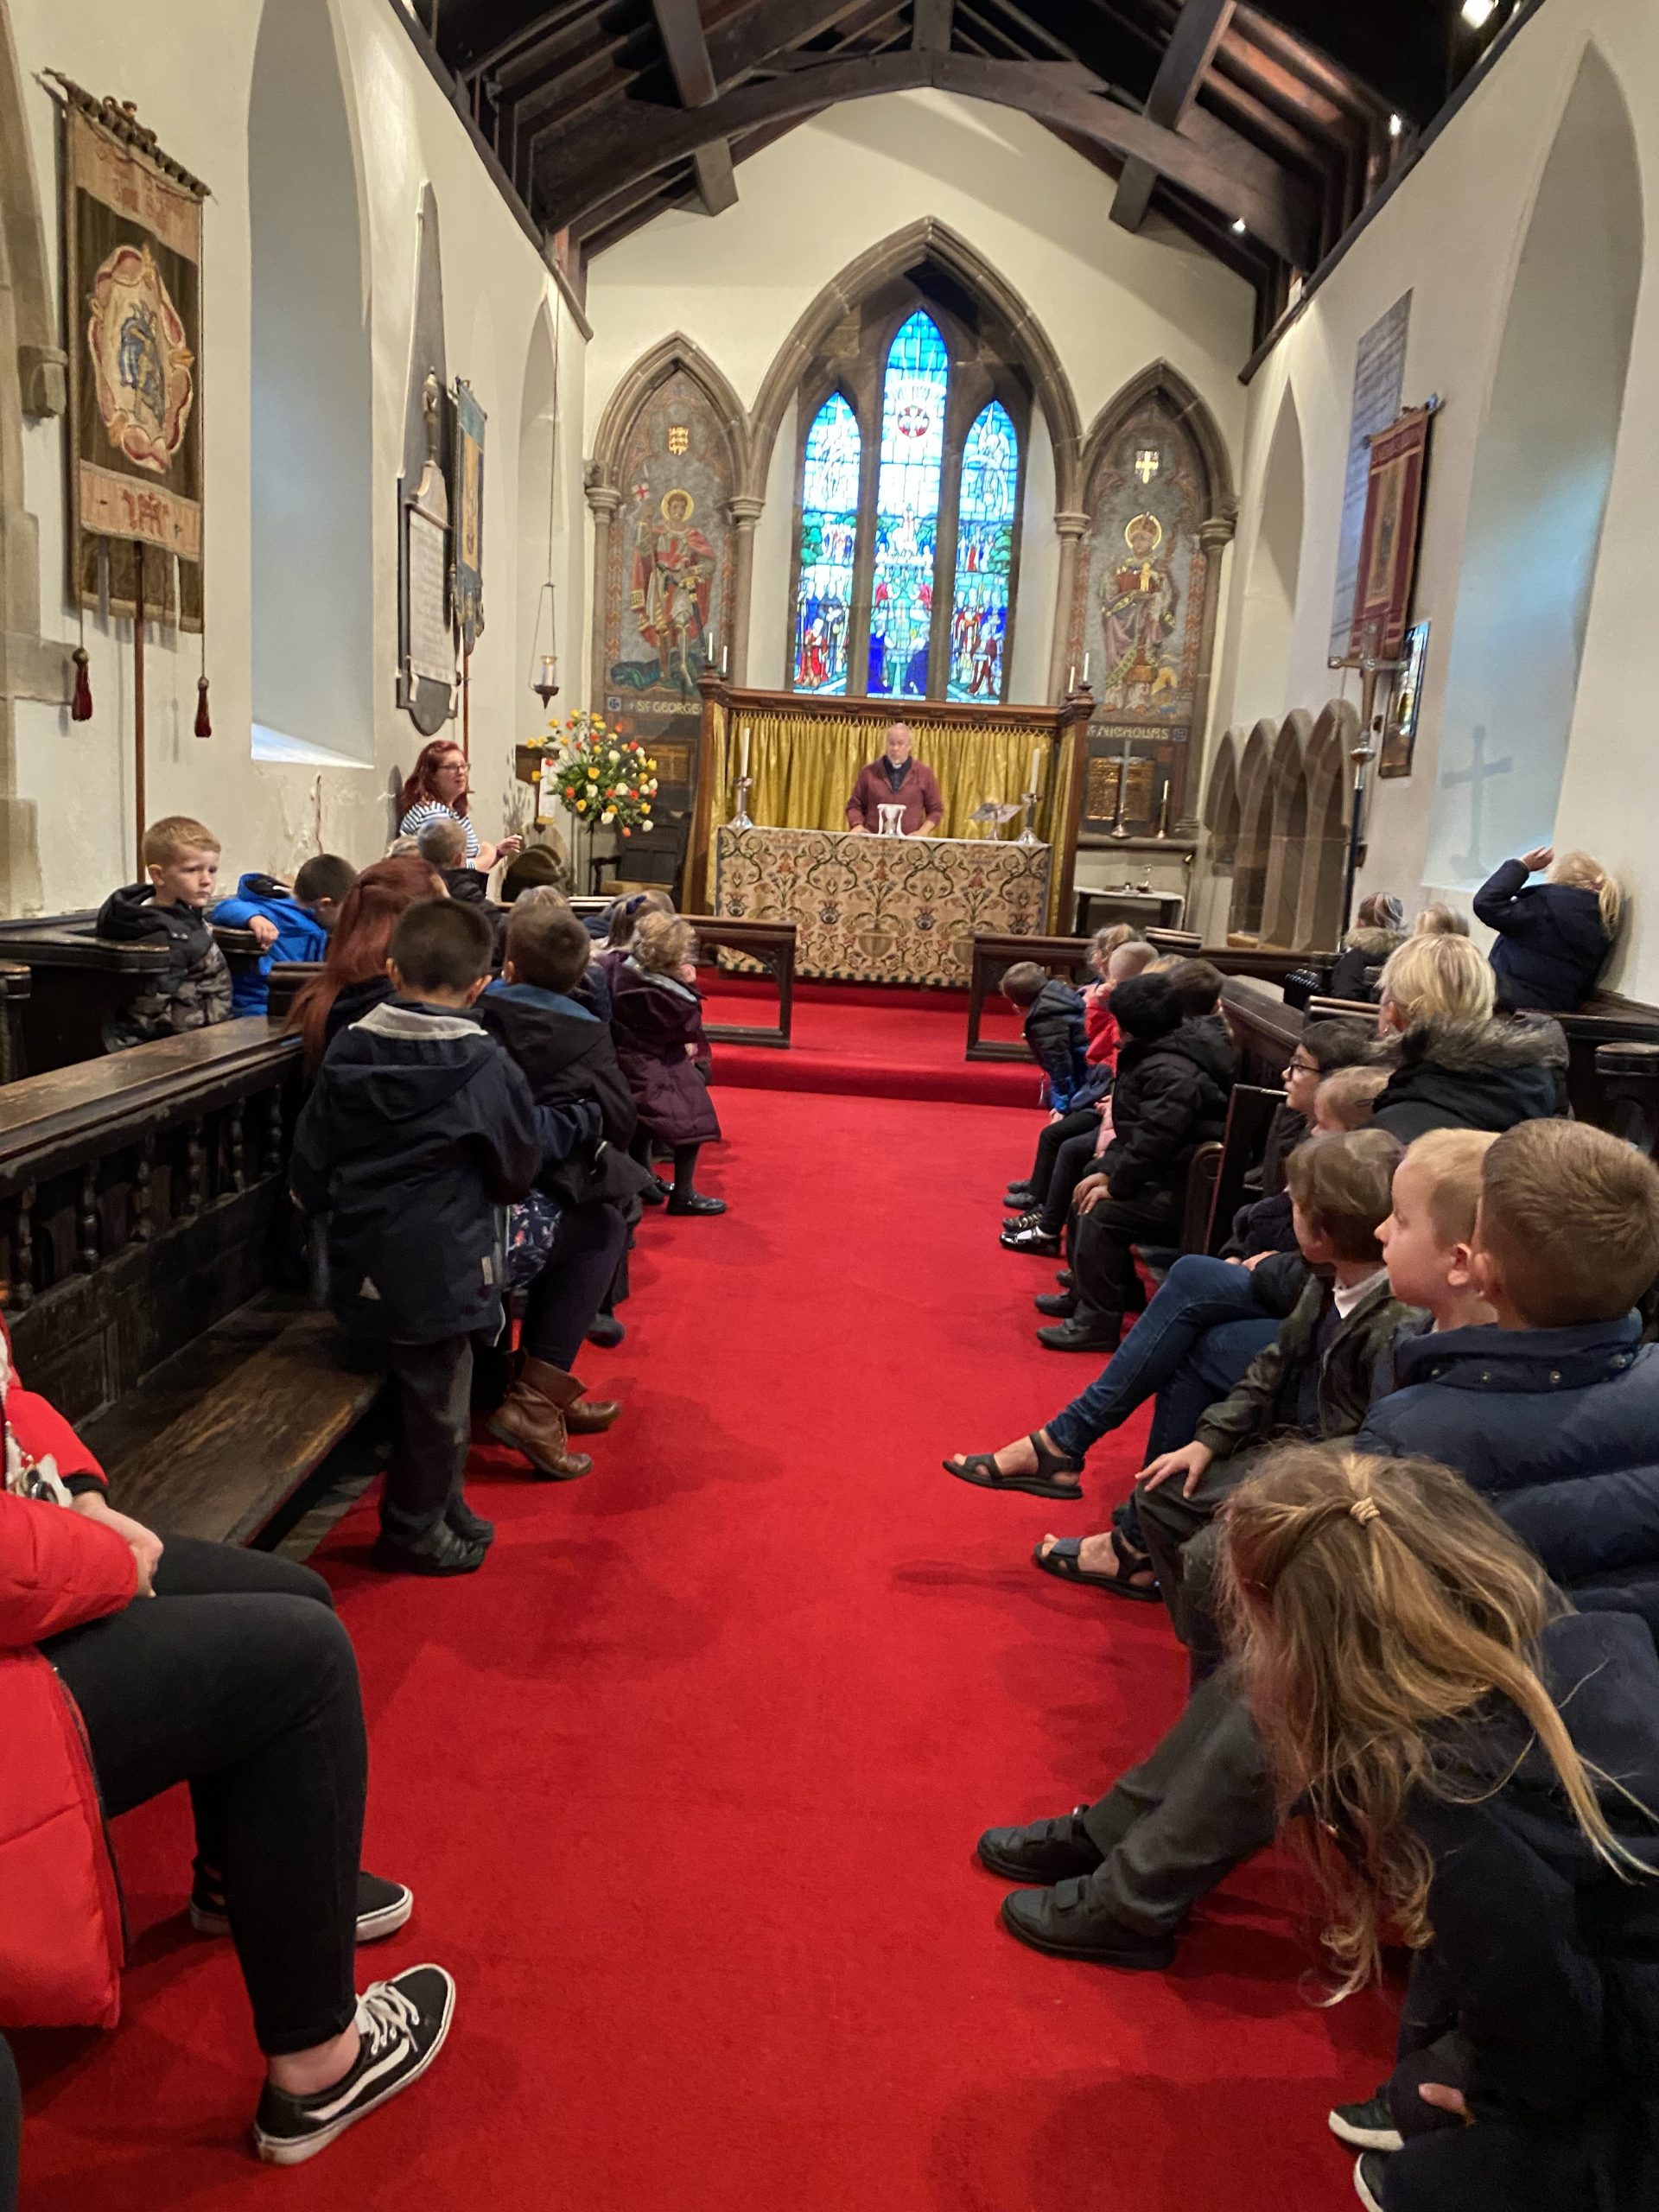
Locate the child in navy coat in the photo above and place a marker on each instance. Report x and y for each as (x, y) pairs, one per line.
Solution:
(1553, 937)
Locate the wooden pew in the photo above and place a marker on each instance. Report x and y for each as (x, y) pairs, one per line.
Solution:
(772, 946)
(81, 979)
(147, 1245)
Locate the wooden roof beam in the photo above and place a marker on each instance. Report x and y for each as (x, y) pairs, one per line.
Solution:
(931, 23)
(693, 73)
(1199, 29)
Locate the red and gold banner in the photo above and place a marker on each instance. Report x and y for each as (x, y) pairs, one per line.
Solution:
(1387, 551)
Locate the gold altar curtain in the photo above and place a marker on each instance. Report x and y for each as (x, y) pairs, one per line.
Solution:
(803, 770)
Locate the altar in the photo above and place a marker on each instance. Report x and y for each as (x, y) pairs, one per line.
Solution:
(881, 910)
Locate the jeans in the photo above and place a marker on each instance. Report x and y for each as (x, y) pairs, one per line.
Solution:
(582, 1265)
(1054, 1134)
(1181, 1821)
(1200, 1299)
(236, 1678)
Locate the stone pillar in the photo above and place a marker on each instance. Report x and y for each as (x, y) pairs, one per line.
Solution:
(743, 510)
(1215, 533)
(1071, 529)
(603, 499)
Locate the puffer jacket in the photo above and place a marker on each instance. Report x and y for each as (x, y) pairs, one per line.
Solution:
(1558, 1428)
(193, 990)
(1358, 969)
(1473, 1075)
(60, 1929)
(300, 934)
(1054, 1030)
(1265, 1401)
(1551, 944)
(1170, 1097)
(653, 1019)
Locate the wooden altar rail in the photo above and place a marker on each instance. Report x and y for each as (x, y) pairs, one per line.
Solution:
(80, 979)
(1065, 726)
(773, 943)
(993, 954)
(147, 1244)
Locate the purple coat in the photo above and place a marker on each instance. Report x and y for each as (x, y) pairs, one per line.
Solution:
(653, 1019)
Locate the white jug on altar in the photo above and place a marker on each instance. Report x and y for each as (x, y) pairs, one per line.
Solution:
(891, 820)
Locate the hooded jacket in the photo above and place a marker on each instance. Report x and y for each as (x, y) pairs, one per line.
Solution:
(1357, 971)
(299, 936)
(653, 1019)
(565, 1051)
(194, 988)
(1054, 1030)
(1266, 1401)
(418, 1127)
(1170, 1097)
(1473, 1075)
(1551, 943)
(1558, 1428)
(1544, 1959)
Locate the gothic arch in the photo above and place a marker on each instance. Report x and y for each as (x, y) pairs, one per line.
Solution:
(1287, 817)
(928, 240)
(650, 371)
(1255, 830)
(1330, 811)
(1161, 384)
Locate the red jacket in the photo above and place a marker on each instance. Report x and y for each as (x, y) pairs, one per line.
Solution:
(60, 1934)
(1100, 1028)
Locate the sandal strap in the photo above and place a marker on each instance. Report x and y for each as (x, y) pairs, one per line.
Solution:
(1050, 1462)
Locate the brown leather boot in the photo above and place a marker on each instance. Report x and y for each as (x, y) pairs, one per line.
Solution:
(531, 1420)
(590, 1416)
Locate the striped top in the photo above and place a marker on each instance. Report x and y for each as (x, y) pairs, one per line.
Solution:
(434, 810)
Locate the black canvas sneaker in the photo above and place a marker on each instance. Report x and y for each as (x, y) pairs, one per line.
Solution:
(1367, 2179)
(402, 2025)
(1369, 2127)
(382, 1907)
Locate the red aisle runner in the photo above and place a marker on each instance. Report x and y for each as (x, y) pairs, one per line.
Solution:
(687, 1783)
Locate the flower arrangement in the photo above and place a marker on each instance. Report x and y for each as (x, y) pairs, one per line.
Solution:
(606, 780)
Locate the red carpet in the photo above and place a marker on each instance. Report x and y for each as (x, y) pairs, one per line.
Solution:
(687, 1783)
(872, 1041)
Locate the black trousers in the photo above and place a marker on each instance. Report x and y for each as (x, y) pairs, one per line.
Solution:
(11, 2128)
(236, 1678)
(1181, 1821)
(1071, 1163)
(1103, 1255)
(582, 1264)
(435, 1434)
(1054, 1134)
(1183, 1538)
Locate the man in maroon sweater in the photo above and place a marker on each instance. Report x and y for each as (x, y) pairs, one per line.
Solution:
(897, 779)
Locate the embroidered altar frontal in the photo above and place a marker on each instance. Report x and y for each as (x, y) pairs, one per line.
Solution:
(881, 910)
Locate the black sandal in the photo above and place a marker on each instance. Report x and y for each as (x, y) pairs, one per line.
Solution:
(1060, 1559)
(981, 1469)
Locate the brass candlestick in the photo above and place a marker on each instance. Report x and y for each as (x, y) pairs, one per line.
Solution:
(1028, 835)
(740, 819)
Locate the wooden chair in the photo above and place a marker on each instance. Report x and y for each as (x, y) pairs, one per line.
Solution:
(653, 858)
(1249, 1115)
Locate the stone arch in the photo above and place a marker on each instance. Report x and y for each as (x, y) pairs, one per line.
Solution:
(32, 383)
(928, 240)
(538, 409)
(1330, 815)
(650, 372)
(1268, 607)
(1286, 813)
(1161, 382)
(1253, 848)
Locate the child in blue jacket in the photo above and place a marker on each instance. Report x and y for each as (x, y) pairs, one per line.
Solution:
(302, 914)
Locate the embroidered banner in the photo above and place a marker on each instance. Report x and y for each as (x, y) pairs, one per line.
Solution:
(1388, 553)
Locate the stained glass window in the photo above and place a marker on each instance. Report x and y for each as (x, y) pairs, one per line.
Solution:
(907, 508)
(979, 613)
(829, 536)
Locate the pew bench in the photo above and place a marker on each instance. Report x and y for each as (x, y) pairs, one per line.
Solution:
(80, 979)
(153, 1280)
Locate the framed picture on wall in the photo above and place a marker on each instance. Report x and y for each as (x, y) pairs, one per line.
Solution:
(1400, 736)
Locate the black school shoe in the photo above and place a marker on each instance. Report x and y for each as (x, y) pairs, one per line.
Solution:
(382, 1907)
(605, 1330)
(439, 1551)
(1030, 1237)
(1044, 1850)
(472, 1527)
(1079, 1334)
(1369, 2127)
(1019, 1195)
(1367, 2179)
(1061, 1304)
(693, 1202)
(1063, 1922)
(401, 2025)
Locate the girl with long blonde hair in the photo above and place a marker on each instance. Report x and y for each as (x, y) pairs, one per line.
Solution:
(1554, 938)
(1479, 1764)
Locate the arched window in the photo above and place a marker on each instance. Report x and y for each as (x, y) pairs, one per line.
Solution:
(909, 505)
(824, 598)
(985, 511)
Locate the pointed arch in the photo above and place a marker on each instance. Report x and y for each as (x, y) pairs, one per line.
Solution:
(1268, 612)
(1161, 384)
(1287, 820)
(649, 373)
(539, 417)
(928, 240)
(1330, 813)
(1255, 830)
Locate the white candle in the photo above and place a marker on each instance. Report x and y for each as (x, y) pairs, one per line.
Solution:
(1072, 679)
(1036, 766)
(725, 660)
(743, 752)
(1085, 672)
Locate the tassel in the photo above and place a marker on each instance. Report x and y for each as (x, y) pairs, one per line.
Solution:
(204, 726)
(81, 707)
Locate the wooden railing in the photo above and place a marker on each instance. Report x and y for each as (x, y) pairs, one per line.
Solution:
(81, 979)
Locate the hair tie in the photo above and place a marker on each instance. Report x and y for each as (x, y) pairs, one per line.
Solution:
(1364, 1510)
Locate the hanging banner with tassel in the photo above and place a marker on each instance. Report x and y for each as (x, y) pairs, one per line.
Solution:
(132, 288)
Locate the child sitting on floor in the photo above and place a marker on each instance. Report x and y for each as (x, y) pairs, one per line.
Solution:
(301, 915)
(193, 990)
(418, 1128)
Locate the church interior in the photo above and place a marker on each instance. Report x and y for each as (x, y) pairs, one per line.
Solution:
(876, 509)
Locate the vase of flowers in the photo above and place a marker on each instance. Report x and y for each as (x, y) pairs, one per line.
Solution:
(606, 779)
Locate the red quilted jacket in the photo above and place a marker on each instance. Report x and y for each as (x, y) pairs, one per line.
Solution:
(60, 1934)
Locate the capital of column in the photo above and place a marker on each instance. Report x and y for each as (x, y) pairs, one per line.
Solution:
(1217, 529)
(603, 499)
(1069, 525)
(745, 509)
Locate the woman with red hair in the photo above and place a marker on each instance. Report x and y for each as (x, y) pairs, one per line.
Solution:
(437, 788)
(353, 977)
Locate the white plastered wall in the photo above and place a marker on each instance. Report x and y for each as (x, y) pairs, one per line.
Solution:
(1109, 300)
(1451, 235)
(190, 76)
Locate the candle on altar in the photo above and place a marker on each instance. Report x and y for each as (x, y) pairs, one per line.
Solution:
(743, 752)
(1036, 767)
(725, 660)
(1072, 679)
(1085, 672)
